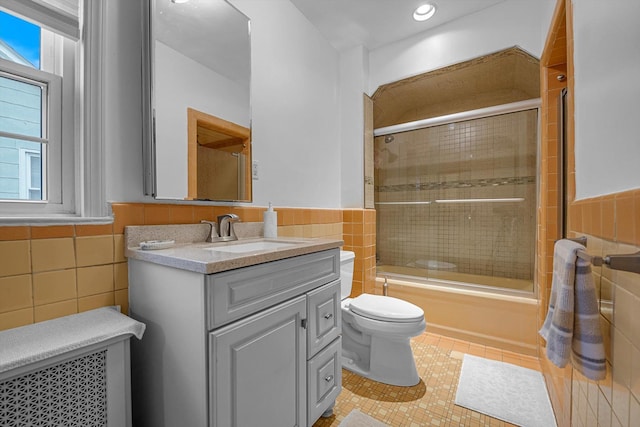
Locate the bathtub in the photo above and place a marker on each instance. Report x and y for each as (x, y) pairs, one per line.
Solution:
(472, 313)
(450, 276)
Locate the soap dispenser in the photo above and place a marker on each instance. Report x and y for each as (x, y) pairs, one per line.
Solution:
(270, 218)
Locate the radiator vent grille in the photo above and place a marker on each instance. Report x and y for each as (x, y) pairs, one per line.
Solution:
(73, 393)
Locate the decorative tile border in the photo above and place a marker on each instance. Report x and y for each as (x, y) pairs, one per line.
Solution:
(446, 185)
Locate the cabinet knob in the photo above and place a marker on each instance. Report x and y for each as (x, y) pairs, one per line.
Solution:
(328, 316)
(328, 378)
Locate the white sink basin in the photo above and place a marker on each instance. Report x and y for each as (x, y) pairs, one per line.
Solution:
(251, 247)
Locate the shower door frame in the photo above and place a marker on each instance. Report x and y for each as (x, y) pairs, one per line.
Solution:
(514, 107)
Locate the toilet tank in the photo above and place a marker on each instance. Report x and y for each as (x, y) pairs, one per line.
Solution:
(346, 273)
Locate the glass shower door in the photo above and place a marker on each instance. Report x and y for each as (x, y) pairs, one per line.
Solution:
(456, 202)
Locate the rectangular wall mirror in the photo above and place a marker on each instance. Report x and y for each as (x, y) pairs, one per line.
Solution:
(198, 64)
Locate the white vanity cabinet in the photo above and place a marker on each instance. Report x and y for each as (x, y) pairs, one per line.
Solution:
(253, 346)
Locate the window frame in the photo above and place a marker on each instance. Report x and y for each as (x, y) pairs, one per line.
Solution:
(51, 140)
(82, 175)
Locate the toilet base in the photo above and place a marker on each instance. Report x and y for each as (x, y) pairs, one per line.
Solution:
(391, 362)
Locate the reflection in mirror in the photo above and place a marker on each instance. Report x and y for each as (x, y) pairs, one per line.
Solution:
(219, 157)
(200, 61)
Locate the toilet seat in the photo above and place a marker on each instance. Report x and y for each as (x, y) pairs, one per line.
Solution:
(385, 308)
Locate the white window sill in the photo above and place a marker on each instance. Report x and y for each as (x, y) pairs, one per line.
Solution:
(54, 220)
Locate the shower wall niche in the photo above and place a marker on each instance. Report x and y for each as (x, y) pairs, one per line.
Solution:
(457, 201)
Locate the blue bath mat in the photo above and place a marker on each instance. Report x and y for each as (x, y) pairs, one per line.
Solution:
(508, 392)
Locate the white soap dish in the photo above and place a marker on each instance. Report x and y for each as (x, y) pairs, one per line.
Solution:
(151, 245)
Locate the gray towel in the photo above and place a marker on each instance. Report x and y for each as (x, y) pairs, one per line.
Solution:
(31, 343)
(572, 325)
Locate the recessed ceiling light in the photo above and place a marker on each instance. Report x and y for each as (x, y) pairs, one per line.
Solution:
(424, 12)
(179, 1)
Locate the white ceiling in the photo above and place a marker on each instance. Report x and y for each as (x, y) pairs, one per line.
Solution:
(374, 23)
(344, 23)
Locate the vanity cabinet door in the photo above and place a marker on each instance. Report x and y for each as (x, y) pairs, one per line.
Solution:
(257, 369)
(323, 306)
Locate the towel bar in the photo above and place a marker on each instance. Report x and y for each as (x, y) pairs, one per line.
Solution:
(623, 262)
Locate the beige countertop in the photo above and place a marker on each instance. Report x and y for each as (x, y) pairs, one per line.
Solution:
(202, 257)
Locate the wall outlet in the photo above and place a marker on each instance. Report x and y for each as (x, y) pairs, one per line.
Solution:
(254, 169)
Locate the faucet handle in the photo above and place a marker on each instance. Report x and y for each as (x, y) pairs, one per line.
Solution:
(212, 231)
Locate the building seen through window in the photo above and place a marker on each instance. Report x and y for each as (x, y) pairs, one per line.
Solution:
(23, 111)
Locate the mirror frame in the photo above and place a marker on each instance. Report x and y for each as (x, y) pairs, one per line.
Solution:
(148, 125)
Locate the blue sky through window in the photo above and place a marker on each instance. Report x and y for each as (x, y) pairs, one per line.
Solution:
(22, 36)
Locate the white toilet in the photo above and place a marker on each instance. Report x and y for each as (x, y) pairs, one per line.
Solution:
(375, 332)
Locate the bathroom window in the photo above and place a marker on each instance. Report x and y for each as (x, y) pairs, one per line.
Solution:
(33, 76)
(28, 132)
(44, 80)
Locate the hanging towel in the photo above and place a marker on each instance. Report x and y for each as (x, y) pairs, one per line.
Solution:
(572, 326)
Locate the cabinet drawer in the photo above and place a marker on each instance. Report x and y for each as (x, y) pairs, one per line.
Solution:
(235, 294)
(324, 317)
(324, 380)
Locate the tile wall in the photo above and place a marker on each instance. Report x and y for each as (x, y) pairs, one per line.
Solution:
(359, 235)
(611, 224)
(48, 272)
(554, 63)
(53, 271)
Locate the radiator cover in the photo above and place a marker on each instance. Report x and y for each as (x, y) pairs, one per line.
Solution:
(72, 393)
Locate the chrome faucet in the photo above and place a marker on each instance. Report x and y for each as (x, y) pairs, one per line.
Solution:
(225, 227)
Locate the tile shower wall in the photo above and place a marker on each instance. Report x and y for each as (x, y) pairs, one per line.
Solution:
(556, 61)
(360, 237)
(492, 157)
(53, 271)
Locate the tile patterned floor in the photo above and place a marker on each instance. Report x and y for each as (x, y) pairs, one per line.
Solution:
(431, 402)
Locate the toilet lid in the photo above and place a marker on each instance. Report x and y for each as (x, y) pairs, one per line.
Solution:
(381, 307)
